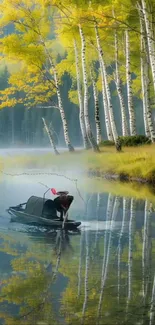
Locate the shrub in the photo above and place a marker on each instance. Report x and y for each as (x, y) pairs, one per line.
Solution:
(135, 140)
(129, 141)
(106, 143)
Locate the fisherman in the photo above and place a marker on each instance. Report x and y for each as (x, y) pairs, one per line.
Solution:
(62, 203)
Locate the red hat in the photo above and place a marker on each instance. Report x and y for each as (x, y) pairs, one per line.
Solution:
(53, 190)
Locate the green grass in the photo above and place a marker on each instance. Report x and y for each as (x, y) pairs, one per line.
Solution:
(133, 162)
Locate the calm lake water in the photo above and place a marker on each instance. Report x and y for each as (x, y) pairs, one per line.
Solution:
(103, 274)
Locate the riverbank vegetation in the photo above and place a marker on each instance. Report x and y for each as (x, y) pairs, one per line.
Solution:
(136, 163)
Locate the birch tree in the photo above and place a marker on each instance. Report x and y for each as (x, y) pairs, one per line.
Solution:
(37, 60)
(97, 111)
(108, 95)
(132, 119)
(145, 78)
(50, 136)
(85, 81)
(80, 97)
(150, 38)
(125, 131)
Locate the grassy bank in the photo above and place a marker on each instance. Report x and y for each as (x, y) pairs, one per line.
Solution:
(134, 162)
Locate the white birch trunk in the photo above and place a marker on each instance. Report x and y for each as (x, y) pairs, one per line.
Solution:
(86, 111)
(125, 131)
(146, 79)
(80, 97)
(110, 108)
(50, 136)
(144, 90)
(148, 105)
(143, 70)
(145, 105)
(105, 105)
(60, 104)
(97, 111)
(132, 119)
(150, 39)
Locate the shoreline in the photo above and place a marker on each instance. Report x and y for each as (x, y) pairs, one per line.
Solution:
(119, 177)
(88, 180)
(90, 173)
(136, 164)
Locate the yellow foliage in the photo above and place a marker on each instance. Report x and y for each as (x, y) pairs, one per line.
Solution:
(9, 103)
(37, 21)
(73, 96)
(66, 65)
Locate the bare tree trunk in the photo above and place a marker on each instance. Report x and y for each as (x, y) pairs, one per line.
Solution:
(132, 119)
(125, 131)
(80, 97)
(86, 111)
(50, 136)
(97, 111)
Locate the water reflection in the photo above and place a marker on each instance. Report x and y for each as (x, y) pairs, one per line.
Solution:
(101, 275)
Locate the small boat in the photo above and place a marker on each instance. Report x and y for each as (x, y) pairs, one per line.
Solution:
(43, 212)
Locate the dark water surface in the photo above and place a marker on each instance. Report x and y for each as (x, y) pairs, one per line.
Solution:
(103, 274)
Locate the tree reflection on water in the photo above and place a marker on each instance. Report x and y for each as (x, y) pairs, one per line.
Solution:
(89, 277)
